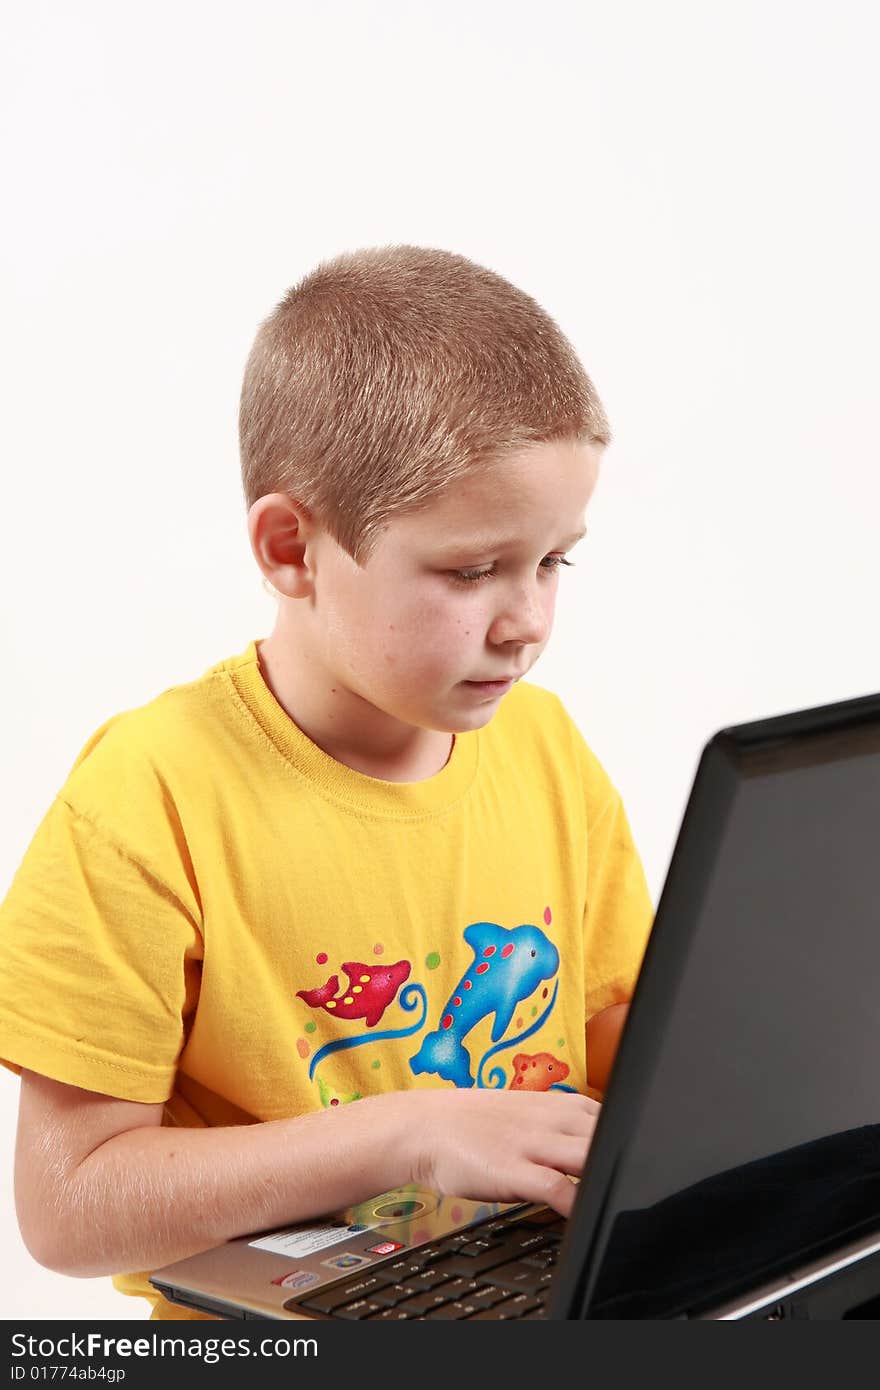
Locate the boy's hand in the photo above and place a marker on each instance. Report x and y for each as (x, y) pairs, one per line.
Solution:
(501, 1146)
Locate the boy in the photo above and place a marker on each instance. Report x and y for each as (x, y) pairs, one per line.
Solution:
(353, 909)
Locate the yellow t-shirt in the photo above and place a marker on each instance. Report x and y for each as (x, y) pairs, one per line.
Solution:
(216, 914)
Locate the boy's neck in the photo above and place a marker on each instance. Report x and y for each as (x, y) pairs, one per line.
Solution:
(342, 724)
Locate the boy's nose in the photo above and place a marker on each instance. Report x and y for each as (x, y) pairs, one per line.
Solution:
(525, 618)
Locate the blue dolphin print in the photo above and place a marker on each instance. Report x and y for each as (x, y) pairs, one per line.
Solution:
(508, 966)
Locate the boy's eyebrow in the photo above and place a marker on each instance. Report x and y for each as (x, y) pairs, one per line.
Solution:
(484, 543)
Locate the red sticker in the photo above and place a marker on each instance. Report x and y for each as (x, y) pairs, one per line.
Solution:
(385, 1247)
(299, 1279)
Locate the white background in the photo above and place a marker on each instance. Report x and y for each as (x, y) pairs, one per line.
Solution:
(689, 188)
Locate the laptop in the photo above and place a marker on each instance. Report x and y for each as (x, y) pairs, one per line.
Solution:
(735, 1166)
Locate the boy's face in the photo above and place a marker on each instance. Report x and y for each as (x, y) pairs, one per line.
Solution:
(460, 593)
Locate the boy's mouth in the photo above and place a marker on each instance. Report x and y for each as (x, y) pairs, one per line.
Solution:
(491, 685)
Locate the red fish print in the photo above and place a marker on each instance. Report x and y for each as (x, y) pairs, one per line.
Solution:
(371, 988)
(538, 1072)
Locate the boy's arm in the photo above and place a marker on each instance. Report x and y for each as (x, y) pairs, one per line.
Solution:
(102, 1187)
(603, 1032)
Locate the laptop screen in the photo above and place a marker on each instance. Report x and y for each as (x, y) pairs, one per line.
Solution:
(741, 1134)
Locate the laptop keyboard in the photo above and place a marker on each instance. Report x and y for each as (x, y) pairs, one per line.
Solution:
(501, 1269)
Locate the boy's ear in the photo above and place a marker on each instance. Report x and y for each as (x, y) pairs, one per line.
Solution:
(280, 529)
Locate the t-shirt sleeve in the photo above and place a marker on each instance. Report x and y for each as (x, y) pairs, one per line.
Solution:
(99, 964)
(618, 912)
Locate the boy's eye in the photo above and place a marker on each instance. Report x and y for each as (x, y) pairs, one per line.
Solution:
(549, 563)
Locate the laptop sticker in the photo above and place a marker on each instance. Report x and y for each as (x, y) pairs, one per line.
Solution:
(385, 1247)
(304, 1241)
(299, 1279)
(399, 1210)
(345, 1261)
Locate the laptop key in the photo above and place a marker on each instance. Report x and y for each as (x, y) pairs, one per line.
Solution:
(400, 1270)
(392, 1294)
(449, 1312)
(541, 1259)
(461, 1288)
(361, 1308)
(427, 1254)
(419, 1304)
(428, 1278)
(518, 1277)
(467, 1306)
(333, 1298)
(473, 1265)
(500, 1226)
(513, 1307)
(486, 1297)
(527, 1241)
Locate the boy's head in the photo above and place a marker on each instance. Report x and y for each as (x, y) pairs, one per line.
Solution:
(388, 374)
(419, 443)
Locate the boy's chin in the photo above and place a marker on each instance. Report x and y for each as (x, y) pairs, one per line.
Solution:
(464, 721)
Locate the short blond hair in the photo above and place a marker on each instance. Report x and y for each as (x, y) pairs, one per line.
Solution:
(387, 373)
